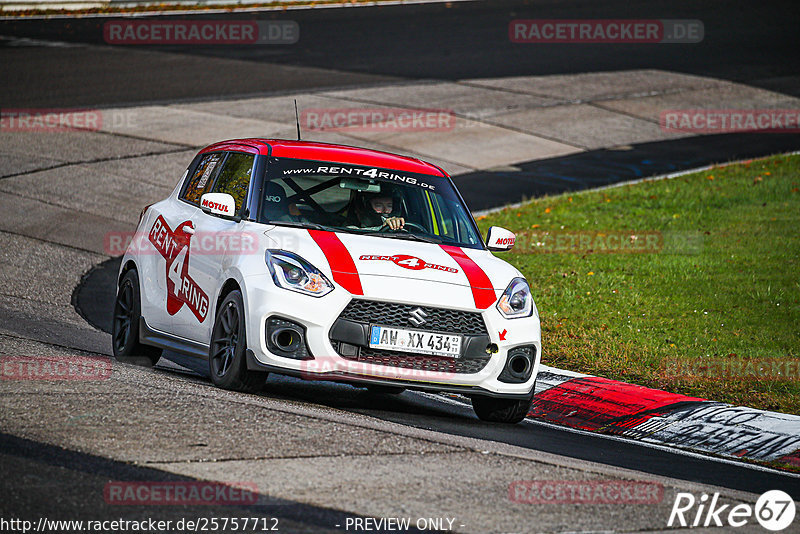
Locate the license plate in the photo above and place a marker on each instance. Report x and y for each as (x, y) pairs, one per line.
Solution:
(384, 337)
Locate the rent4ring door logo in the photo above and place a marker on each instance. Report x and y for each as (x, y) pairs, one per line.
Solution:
(173, 245)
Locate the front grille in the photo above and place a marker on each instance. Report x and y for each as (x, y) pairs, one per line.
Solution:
(437, 320)
(418, 362)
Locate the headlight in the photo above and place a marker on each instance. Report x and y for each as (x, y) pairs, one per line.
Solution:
(292, 272)
(516, 301)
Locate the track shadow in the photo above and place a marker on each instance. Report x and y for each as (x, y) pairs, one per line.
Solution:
(43, 481)
(454, 416)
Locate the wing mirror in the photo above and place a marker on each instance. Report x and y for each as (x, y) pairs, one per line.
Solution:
(219, 204)
(499, 239)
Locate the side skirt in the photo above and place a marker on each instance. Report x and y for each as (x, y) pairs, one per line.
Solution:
(162, 340)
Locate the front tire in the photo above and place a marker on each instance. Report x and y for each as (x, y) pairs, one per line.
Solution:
(125, 325)
(494, 410)
(227, 364)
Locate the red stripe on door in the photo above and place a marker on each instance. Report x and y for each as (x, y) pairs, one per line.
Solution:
(482, 290)
(342, 265)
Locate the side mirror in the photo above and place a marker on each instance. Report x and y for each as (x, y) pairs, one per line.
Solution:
(499, 239)
(218, 204)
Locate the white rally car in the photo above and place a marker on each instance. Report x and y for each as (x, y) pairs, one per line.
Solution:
(328, 262)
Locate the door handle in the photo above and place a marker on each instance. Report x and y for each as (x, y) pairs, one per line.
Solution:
(187, 230)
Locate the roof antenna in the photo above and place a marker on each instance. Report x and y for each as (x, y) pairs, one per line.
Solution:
(297, 119)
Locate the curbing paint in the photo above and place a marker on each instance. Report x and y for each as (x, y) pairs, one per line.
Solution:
(653, 416)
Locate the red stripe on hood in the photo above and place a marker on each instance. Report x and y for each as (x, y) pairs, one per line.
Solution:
(342, 265)
(482, 290)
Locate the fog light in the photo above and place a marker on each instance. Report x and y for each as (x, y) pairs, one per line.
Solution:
(519, 365)
(287, 338)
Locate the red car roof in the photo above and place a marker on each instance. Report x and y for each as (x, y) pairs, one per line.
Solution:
(283, 148)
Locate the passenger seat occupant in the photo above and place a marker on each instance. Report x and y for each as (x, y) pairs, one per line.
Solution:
(275, 206)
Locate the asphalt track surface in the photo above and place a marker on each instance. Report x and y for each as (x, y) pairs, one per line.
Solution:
(750, 43)
(94, 300)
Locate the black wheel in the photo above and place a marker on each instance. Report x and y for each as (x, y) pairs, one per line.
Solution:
(385, 390)
(226, 356)
(125, 325)
(501, 410)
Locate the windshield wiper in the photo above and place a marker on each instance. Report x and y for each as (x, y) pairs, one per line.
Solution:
(297, 224)
(407, 235)
(315, 226)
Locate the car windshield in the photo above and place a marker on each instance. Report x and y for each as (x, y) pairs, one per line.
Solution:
(366, 200)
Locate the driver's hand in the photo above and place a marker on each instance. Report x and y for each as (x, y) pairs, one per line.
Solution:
(395, 223)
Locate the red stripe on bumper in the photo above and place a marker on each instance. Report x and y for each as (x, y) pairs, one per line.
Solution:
(342, 265)
(482, 290)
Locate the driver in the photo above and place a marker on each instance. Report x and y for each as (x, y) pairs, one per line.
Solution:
(376, 210)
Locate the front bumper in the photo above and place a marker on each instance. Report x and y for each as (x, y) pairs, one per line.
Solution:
(476, 374)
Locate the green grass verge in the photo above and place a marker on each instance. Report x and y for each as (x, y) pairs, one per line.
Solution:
(710, 281)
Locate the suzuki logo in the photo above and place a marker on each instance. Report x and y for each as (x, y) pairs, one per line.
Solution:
(417, 317)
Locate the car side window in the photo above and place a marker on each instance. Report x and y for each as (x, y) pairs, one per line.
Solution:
(203, 178)
(234, 178)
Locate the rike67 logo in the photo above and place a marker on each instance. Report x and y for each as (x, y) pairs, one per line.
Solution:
(181, 288)
(774, 510)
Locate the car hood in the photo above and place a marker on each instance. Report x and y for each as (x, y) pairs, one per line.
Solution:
(400, 269)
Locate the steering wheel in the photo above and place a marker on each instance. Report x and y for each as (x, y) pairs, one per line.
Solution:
(387, 228)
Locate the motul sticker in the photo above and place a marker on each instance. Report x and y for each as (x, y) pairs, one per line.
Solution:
(409, 262)
(206, 203)
(181, 288)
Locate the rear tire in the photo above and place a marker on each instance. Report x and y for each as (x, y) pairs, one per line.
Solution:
(227, 364)
(125, 325)
(494, 410)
